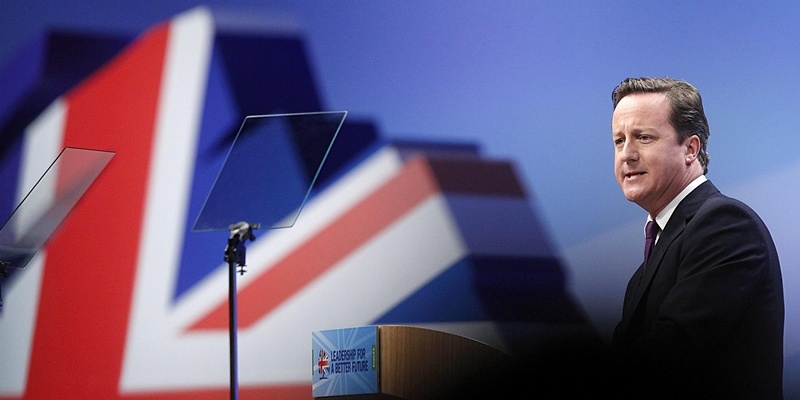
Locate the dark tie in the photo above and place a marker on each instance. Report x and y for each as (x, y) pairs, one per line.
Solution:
(650, 232)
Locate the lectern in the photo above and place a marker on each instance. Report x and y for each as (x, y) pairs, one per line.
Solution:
(402, 362)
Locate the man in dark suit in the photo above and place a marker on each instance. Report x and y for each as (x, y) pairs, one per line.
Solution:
(704, 316)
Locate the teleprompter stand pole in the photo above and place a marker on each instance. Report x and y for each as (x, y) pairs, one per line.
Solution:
(3, 273)
(235, 257)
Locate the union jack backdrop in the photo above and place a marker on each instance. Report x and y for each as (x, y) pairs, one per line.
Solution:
(126, 302)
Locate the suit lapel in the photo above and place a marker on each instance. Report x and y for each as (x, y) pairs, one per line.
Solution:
(677, 223)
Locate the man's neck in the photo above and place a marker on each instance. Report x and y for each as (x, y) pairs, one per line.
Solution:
(664, 215)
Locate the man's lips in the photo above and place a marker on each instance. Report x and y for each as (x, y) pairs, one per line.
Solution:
(633, 175)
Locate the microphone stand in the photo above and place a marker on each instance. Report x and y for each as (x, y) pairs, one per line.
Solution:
(235, 255)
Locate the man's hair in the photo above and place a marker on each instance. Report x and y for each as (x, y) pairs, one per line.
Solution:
(687, 117)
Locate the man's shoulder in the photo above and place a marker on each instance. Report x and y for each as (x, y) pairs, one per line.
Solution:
(719, 209)
(707, 198)
(717, 202)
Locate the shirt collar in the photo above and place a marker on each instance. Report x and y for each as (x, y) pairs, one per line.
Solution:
(663, 217)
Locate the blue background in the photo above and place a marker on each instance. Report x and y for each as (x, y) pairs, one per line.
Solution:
(527, 80)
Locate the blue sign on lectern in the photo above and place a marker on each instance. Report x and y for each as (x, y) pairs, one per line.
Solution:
(344, 361)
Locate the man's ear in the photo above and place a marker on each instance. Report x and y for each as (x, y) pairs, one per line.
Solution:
(692, 146)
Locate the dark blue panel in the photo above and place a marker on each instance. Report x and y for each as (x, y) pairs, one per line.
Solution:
(19, 75)
(524, 289)
(356, 140)
(269, 74)
(450, 297)
(46, 69)
(202, 252)
(9, 178)
(492, 288)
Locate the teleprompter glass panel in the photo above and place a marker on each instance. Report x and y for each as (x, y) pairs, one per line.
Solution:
(46, 205)
(270, 170)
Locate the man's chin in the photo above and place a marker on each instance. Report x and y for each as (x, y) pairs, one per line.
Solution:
(633, 196)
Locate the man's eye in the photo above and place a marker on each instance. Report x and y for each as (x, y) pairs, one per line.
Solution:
(618, 142)
(646, 138)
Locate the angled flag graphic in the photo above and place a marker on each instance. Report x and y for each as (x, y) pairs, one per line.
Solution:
(126, 302)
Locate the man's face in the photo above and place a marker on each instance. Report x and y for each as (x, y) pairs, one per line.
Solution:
(650, 164)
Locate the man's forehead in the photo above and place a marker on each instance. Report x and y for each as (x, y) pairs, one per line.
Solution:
(641, 108)
(654, 99)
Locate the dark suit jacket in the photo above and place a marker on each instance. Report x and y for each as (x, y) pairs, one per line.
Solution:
(704, 318)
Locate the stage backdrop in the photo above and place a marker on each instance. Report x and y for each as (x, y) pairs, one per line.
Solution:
(127, 302)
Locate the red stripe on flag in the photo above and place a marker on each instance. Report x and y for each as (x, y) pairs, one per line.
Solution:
(398, 196)
(88, 280)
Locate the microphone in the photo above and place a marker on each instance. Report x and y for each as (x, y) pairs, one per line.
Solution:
(243, 231)
(235, 252)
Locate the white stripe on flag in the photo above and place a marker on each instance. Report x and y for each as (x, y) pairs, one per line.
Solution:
(177, 127)
(42, 144)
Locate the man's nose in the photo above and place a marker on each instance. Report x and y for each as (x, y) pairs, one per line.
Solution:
(629, 151)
